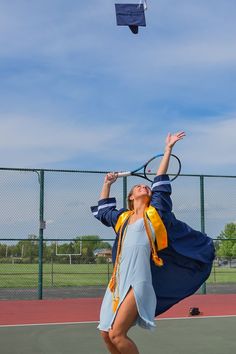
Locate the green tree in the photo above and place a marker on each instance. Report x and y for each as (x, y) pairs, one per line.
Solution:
(3, 250)
(234, 249)
(92, 242)
(89, 244)
(31, 248)
(226, 241)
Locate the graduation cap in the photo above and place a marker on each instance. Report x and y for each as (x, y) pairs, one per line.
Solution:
(131, 15)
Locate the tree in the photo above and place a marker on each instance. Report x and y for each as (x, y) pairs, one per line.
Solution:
(89, 244)
(92, 242)
(234, 250)
(3, 251)
(31, 248)
(227, 241)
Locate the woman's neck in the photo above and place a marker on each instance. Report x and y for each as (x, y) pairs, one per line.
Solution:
(139, 208)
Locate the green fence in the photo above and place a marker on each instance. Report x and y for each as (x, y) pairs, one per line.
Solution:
(52, 246)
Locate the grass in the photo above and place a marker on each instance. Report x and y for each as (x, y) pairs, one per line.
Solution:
(26, 275)
(222, 275)
(66, 275)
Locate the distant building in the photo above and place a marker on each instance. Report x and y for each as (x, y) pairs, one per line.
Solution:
(103, 252)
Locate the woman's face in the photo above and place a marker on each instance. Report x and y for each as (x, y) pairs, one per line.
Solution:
(140, 190)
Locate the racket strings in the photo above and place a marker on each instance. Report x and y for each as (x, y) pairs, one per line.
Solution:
(152, 167)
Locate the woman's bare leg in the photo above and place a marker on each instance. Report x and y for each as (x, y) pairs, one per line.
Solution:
(110, 346)
(126, 315)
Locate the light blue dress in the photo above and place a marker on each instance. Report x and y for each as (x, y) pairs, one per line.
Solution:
(135, 271)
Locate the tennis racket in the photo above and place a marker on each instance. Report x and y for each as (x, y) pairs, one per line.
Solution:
(149, 169)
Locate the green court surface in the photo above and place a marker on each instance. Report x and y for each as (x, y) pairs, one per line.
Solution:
(207, 335)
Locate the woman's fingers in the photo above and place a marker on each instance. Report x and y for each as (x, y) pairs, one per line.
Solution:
(111, 177)
(173, 138)
(180, 134)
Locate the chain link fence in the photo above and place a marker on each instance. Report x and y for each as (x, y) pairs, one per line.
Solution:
(51, 246)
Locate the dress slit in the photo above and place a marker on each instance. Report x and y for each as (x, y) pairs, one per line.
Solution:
(130, 287)
(143, 322)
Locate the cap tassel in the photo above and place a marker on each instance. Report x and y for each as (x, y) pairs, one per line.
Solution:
(158, 261)
(112, 284)
(115, 303)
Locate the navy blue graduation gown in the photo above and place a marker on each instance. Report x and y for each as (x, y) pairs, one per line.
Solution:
(188, 258)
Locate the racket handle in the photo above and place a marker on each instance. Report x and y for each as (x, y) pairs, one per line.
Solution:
(123, 174)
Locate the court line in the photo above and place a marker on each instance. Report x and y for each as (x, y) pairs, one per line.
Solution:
(87, 322)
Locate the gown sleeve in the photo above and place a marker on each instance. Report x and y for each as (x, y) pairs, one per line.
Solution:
(188, 258)
(161, 192)
(106, 212)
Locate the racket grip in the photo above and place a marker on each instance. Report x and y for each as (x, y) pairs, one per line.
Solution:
(123, 174)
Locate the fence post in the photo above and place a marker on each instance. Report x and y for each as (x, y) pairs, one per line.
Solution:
(41, 228)
(202, 211)
(125, 192)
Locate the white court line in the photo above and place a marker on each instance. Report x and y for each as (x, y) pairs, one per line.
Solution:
(47, 324)
(87, 322)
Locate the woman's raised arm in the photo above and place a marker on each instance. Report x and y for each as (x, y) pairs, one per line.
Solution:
(171, 139)
(110, 178)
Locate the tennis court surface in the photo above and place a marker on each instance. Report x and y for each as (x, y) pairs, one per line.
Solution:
(69, 326)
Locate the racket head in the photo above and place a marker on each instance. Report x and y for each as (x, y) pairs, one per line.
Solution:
(151, 167)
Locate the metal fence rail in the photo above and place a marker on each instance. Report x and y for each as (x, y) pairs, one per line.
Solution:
(44, 213)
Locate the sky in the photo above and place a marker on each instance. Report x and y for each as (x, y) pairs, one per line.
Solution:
(79, 92)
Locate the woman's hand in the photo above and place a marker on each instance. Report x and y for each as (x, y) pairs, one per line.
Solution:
(173, 138)
(110, 178)
(170, 142)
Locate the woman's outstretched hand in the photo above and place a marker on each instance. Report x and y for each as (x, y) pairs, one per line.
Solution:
(173, 138)
(110, 178)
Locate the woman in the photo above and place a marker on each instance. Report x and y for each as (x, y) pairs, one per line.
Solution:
(158, 260)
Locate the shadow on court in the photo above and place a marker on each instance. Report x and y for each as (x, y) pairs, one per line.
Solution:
(178, 336)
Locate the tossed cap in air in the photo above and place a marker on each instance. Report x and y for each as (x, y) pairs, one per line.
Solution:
(131, 15)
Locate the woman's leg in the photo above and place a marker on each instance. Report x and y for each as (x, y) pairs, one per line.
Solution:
(110, 346)
(126, 315)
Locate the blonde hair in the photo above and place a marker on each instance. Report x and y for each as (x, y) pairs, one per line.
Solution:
(129, 201)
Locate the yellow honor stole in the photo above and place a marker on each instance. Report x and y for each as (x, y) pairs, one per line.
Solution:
(161, 241)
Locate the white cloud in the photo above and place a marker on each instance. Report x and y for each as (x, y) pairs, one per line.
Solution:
(30, 141)
(209, 144)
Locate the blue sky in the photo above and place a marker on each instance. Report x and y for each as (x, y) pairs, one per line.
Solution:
(77, 91)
